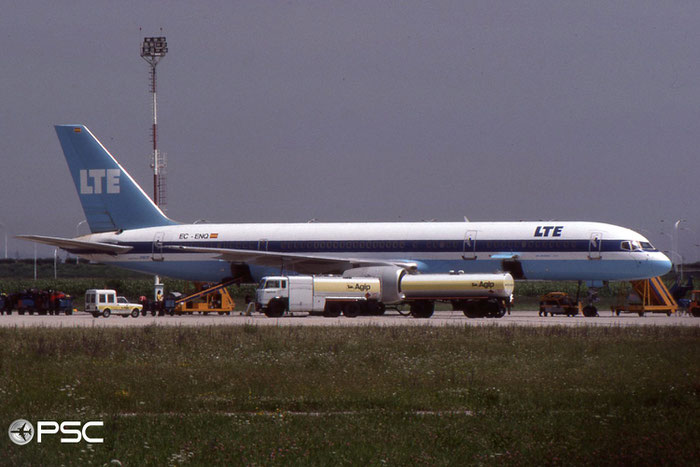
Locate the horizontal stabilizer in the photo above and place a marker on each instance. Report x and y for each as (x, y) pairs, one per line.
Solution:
(72, 245)
(302, 263)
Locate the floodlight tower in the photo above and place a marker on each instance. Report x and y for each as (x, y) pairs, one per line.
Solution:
(153, 50)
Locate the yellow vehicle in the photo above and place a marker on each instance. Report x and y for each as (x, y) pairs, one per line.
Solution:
(105, 302)
(646, 296)
(207, 300)
(559, 303)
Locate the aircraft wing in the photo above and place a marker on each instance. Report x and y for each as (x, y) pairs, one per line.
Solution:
(72, 245)
(302, 263)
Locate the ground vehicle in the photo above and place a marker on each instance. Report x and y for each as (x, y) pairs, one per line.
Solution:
(42, 302)
(315, 294)
(105, 302)
(559, 303)
(483, 295)
(694, 305)
(645, 296)
(208, 299)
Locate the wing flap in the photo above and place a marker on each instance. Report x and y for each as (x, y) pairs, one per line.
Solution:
(302, 263)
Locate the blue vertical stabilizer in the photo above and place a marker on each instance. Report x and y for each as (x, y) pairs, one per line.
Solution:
(111, 199)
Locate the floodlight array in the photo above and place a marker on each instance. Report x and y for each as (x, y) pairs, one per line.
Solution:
(154, 47)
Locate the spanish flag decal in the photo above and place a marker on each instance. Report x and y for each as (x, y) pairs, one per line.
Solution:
(77, 130)
(214, 235)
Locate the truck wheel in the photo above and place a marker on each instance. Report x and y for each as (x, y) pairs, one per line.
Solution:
(422, 309)
(501, 312)
(331, 310)
(106, 313)
(95, 314)
(135, 313)
(275, 308)
(493, 309)
(375, 308)
(351, 310)
(590, 311)
(470, 310)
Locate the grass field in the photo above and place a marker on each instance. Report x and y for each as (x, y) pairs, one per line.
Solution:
(363, 396)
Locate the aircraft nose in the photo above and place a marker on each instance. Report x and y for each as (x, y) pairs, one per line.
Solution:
(659, 264)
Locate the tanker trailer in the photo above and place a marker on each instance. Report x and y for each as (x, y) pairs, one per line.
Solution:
(477, 295)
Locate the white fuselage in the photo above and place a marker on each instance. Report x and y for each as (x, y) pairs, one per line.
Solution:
(562, 250)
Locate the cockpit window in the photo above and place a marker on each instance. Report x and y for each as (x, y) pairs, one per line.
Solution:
(647, 246)
(631, 245)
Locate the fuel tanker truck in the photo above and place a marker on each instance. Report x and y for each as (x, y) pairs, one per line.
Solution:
(370, 290)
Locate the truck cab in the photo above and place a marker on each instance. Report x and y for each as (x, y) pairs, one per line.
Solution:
(105, 302)
(272, 295)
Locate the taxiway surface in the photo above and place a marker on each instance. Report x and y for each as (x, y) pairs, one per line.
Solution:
(440, 318)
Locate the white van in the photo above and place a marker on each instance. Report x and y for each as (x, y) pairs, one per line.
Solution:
(106, 302)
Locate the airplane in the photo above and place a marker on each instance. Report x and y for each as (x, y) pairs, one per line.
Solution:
(130, 231)
(23, 432)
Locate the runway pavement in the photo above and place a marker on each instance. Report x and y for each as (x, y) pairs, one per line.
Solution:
(440, 318)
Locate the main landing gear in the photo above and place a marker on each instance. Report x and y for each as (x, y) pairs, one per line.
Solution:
(590, 310)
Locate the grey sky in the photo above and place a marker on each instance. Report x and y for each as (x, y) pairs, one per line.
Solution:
(363, 111)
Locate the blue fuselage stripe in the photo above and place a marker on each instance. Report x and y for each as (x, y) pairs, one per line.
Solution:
(390, 246)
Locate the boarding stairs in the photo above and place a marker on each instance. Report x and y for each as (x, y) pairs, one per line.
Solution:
(653, 297)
